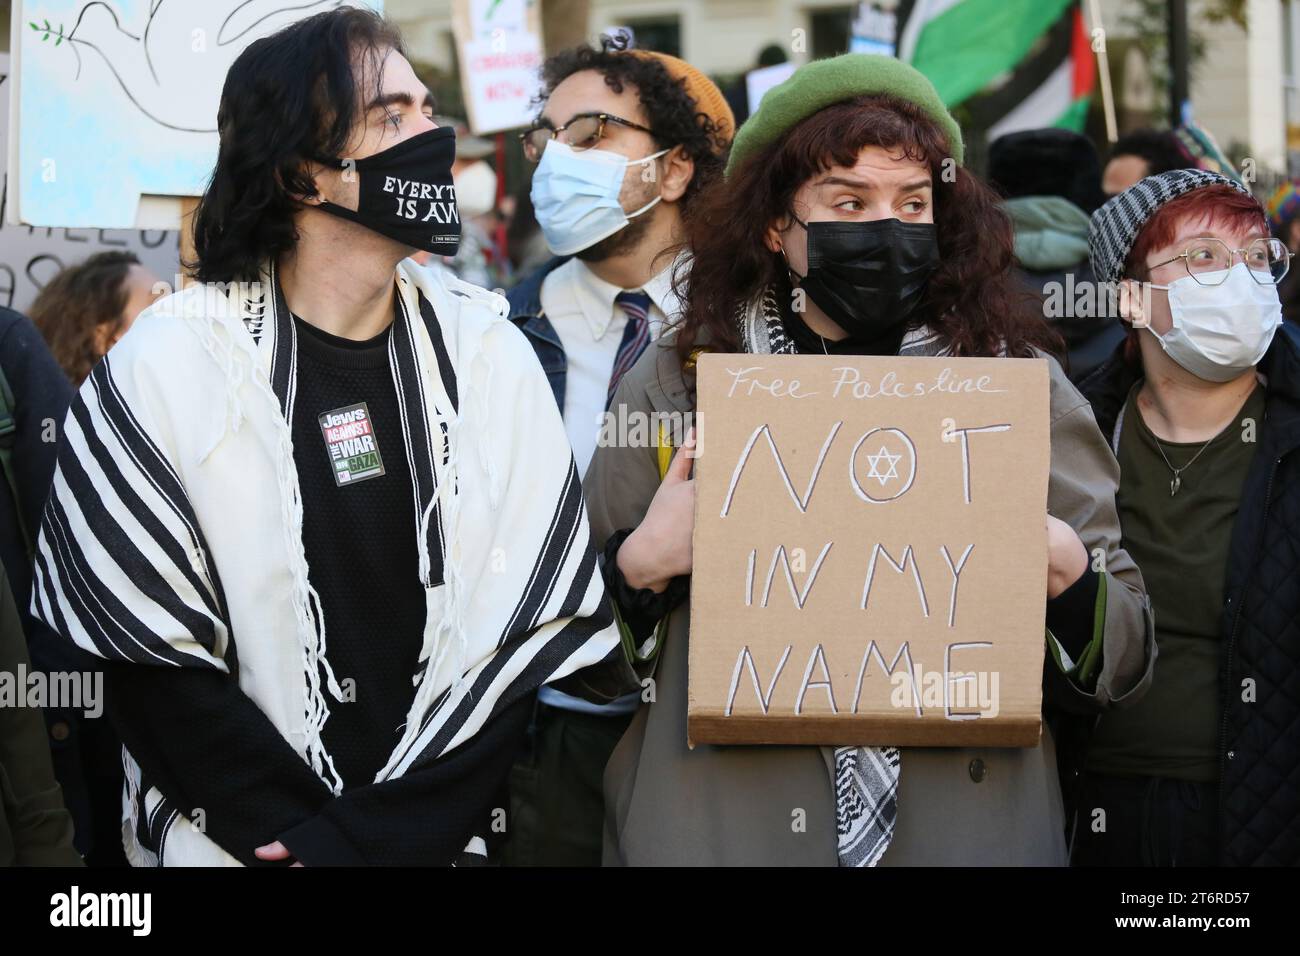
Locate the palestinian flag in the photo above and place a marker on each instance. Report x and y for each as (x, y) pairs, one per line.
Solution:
(1014, 64)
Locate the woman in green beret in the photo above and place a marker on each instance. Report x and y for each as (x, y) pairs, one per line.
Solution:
(856, 159)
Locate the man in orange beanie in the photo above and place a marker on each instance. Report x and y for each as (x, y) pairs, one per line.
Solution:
(624, 141)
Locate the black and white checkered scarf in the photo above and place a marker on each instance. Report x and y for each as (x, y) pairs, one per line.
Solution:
(865, 778)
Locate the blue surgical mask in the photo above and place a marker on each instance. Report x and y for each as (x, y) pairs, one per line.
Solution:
(575, 196)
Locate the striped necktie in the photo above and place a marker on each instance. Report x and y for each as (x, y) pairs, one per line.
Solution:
(636, 336)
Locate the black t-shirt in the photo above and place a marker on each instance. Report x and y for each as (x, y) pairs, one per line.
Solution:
(359, 534)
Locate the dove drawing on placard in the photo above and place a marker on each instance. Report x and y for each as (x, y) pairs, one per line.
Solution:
(171, 66)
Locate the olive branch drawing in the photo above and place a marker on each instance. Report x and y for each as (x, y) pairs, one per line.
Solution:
(47, 31)
(130, 47)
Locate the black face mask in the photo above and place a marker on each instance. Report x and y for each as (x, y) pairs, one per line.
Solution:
(406, 192)
(868, 276)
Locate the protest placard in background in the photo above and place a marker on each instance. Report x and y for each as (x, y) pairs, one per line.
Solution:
(874, 28)
(114, 108)
(500, 50)
(30, 256)
(870, 553)
(758, 82)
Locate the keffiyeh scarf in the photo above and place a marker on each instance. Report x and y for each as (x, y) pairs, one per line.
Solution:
(865, 778)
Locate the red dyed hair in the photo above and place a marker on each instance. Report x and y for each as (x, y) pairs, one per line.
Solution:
(1222, 205)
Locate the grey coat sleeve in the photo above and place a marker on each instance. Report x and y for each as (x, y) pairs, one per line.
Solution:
(620, 484)
(1081, 492)
(623, 476)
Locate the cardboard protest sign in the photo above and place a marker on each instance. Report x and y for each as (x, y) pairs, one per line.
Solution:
(870, 552)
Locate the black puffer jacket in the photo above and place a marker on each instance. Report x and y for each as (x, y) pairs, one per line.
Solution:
(1089, 340)
(1259, 740)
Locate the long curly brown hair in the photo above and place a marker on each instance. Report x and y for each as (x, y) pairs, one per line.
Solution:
(76, 302)
(972, 298)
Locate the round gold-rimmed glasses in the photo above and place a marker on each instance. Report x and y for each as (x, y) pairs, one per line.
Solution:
(1209, 260)
(584, 131)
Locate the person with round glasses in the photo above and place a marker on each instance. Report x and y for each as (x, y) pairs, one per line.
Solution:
(1201, 404)
(624, 142)
(1209, 260)
(584, 131)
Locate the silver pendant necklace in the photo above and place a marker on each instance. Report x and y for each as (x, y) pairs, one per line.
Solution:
(1177, 481)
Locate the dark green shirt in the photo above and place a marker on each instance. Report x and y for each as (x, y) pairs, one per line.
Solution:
(1181, 543)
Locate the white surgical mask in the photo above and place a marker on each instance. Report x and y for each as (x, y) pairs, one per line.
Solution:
(575, 196)
(476, 189)
(1220, 331)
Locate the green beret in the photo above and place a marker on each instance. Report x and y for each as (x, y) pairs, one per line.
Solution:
(821, 83)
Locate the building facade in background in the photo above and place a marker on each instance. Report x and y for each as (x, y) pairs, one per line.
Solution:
(1246, 89)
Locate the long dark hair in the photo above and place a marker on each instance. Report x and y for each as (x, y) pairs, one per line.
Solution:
(76, 303)
(288, 98)
(971, 299)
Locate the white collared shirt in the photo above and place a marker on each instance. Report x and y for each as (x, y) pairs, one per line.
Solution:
(581, 308)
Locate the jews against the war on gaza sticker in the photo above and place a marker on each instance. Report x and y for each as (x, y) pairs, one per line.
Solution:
(350, 441)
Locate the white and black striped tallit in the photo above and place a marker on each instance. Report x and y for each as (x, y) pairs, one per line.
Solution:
(172, 536)
(865, 778)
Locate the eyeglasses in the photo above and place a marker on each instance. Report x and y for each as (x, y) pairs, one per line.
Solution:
(1208, 260)
(585, 131)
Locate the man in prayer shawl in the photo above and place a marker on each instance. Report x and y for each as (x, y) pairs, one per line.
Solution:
(317, 511)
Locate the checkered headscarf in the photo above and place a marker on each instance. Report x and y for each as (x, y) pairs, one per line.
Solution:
(1115, 226)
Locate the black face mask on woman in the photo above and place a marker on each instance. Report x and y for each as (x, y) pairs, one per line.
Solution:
(406, 192)
(868, 276)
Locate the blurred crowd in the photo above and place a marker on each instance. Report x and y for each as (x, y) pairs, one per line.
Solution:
(657, 219)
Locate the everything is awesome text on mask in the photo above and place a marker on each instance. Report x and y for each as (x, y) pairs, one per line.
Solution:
(412, 195)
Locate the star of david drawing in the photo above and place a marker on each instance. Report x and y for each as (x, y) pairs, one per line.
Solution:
(875, 462)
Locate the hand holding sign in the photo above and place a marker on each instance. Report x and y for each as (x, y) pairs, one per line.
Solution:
(1067, 558)
(660, 548)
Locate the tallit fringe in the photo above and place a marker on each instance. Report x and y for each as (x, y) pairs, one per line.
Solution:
(451, 628)
(223, 351)
(481, 386)
(136, 855)
(306, 602)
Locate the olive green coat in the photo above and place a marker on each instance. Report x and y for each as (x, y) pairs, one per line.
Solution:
(35, 828)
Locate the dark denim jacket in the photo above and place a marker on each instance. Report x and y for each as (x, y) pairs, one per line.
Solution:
(526, 312)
